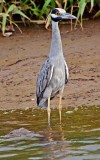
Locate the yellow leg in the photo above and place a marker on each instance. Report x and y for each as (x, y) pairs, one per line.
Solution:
(48, 110)
(60, 105)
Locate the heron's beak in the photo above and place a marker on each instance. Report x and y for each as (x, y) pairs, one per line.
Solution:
(68, 16)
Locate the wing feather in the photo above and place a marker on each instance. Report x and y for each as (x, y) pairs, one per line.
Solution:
(43, 79)
(66, 73)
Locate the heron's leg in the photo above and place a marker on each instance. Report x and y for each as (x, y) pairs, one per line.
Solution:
(60, 104)
(48, 110)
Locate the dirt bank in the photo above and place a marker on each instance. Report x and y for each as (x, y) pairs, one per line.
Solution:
(22, 55)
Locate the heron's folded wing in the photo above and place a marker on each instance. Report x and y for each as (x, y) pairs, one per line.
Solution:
(66, 72)
(43, 80)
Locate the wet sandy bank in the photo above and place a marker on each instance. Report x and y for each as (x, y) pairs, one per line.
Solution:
(22, 55)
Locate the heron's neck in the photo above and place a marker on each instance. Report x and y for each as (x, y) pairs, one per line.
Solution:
(56, 44)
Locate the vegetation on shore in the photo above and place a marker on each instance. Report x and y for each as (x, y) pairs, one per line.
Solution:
(35, 11)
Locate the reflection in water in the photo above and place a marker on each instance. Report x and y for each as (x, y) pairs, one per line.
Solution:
(55, 148)
(51, 132)
(76, 138)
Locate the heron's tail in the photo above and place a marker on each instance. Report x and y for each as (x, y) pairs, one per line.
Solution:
(43, 103)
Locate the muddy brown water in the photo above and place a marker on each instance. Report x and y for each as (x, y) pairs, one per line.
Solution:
(24, 132)
(25, 135)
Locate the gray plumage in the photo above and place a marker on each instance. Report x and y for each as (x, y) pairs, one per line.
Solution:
(54, 73)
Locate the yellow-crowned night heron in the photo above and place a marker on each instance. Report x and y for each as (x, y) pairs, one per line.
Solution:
(54, 73)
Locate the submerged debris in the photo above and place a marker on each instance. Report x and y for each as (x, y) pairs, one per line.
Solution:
(21, 133)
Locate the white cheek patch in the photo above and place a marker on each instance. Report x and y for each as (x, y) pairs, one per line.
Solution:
(53, 15)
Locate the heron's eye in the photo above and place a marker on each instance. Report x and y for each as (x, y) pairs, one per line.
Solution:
(57, 13)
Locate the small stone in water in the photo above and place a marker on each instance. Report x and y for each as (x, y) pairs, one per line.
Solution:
(69, 112)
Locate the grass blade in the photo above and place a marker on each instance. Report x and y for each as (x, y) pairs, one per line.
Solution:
(44, 7)
(17, 27)
(82, 5)
(53, 4)
(65, 3)
(11, 8)
(17, 11)
(4, 19)
(97, 14)
(58, 4)
(92, 4)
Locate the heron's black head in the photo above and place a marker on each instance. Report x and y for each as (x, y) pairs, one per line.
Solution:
(58, 14)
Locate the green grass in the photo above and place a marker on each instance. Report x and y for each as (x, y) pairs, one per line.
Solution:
(36, 10)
